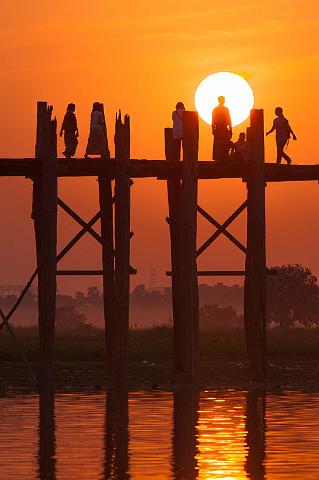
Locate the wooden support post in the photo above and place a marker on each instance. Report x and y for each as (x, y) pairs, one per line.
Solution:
(119, 351)
(189, 234)
(255, 278)
(174, 192)
(45, 224)
(106, 208)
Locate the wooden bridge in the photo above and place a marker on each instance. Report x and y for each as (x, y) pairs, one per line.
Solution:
(115, 179)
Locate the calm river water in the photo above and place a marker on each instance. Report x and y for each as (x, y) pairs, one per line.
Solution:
(217, 434)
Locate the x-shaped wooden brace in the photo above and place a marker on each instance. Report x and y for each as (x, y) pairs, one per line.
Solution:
(64, 251)
(222, 229)
(86, 227)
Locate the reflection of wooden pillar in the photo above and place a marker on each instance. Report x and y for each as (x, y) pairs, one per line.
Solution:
(255, 277)
(174, 191)
(189, 234)
(122, 252)
(45, 223)
(255, 427)
(186, 406)
(47, 460)
(116, 464)
(106, 208)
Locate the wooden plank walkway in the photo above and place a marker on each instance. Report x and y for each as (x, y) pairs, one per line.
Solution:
(160, 169)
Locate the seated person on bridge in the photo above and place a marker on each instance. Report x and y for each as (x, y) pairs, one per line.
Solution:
(71, 132)
(283, 132)
(239, 151)
(97, 142)
(177, 118)
(222, 131)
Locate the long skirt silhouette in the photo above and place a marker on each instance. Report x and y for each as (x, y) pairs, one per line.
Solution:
(97, 142)
(221, 143)
(71, 142)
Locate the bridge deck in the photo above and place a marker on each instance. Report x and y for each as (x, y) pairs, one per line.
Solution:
(161, 169)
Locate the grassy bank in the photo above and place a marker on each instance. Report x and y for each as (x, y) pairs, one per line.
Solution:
(156, 345)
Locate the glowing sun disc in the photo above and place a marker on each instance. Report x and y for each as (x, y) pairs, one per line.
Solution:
(236, 90)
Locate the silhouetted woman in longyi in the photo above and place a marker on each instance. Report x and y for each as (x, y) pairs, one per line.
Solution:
(71, 132)
(97, 142)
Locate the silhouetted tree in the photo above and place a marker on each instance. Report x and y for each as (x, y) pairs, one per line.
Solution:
(80, 298)
(94, 296)
(292, 297)
(212, 316)
(69, 319)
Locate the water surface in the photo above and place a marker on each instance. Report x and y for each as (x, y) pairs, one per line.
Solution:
(217, 434)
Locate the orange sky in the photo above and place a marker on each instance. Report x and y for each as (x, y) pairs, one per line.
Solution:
(143, 56)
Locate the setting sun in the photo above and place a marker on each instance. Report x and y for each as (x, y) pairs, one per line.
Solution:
(237, 91)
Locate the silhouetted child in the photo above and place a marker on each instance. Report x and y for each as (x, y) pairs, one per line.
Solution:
(177, 117)
(71, 132)
(239, 149)
(283, 132)
(222, 129)
(97, 142)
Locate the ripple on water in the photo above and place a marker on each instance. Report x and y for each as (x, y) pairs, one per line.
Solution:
(219, 435)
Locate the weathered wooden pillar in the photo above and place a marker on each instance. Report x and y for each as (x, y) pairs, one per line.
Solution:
(119, 352)
(189, 235)
(255, 273)
(106, 209)
(174, 192)
(186, 407)
(255, 428)
(45, 223)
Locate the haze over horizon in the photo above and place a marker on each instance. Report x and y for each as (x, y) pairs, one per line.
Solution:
(143, 57)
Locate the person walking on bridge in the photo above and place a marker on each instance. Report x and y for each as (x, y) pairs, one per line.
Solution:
(97, 142)
(177, 117)
(71, 132)
(222, 131)
(283, 132)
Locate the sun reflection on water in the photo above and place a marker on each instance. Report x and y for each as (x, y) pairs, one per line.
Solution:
(221, 437)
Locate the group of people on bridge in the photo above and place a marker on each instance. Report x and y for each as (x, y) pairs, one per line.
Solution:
(97, 141)
(224, 149)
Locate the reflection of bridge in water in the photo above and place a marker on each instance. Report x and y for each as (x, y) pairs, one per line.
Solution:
(114, 213)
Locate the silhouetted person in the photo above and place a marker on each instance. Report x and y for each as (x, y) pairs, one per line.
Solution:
(177, 117)
(97, 142)
(222, 131)
(71, 132)
(239, 149)
(283, 132)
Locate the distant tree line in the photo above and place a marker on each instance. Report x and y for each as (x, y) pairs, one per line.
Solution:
(292, 300)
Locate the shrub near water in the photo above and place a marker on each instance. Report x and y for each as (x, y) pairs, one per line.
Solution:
(156, 344)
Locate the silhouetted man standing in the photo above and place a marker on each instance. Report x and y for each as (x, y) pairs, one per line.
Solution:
(222, 131)
(283, 132)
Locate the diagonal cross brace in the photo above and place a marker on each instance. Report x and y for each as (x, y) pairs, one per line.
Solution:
(87, 226)
(222, 229)
(62, 253)
(78, 219)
